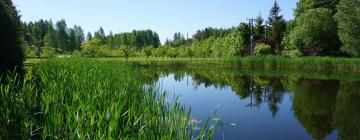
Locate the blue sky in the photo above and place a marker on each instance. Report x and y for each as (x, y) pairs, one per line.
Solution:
(163, 16)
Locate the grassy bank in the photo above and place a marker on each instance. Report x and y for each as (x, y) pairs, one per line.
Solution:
(90, 99)
(263, 62)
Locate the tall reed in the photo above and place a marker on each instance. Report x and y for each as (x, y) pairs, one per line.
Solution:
(91, 99)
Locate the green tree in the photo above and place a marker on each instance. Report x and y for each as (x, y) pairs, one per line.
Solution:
(100, 34)
(92, 47)
(50, 38)
(173, 52)
(62, 36)
(11, 54)
(88, 36)
(162, 51)
(79, 36)
(277, 26)
(111, 40)
(259, 27)
(315, 32)
(244, 33)
(348, 18)
(305, 5)
(72, 40)
(148, 51)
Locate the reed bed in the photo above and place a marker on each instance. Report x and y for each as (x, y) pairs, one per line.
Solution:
(77, 98)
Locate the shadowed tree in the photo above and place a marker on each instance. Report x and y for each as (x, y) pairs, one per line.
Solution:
(259, 27)
(11, 54)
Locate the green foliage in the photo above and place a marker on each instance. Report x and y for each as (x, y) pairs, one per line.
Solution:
(315, 33)
(43, 33)
(136, 39)
(263, 49)
(62, 36)
(259, 27)
(348, 23)
(11, 54)
(277, 25)
(161, 51)
(100, 34)
(148, 50)
(173, 52)
(289, 50)
(91, 99)
(48, 52)
(177, 41)
(305, 5)
(92, 48)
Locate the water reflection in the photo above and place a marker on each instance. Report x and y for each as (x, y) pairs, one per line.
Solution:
(325, 108)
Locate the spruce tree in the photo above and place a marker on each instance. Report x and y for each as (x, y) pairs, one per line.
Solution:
(277, 25)
(259, 27)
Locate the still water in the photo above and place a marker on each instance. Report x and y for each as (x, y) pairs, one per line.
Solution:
(267, 105)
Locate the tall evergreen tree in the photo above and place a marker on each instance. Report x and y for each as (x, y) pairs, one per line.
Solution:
(277, 25)
(110, 40)
(88, 37)
(79, 35)
(50, 38)
(348, 18)
(11, 54)
(62, 36)
(259, 27)
(101, 35)
(72, 40)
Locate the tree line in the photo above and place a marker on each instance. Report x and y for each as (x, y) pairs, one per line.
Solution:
(320, 28)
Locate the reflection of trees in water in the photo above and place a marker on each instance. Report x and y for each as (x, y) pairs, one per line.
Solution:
(347, 114)
(321, 106)
(314, 105)
(258, 89)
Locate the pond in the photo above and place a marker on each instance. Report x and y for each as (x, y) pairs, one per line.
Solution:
(258, 104)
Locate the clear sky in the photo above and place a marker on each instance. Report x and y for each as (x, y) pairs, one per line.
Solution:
(163, 16)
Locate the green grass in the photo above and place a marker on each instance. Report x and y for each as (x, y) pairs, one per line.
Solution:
(81, 98)
(263, 62)
(301, 63)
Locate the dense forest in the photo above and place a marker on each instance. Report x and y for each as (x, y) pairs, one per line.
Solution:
(320, 28)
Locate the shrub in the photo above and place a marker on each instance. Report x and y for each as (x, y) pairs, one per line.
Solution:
(48, 52)
(263, 49)
(91, 48)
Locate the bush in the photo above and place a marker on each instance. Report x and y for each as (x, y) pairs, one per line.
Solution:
(291, 53)
(263, 49)
(91, 48)
(48, 52)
